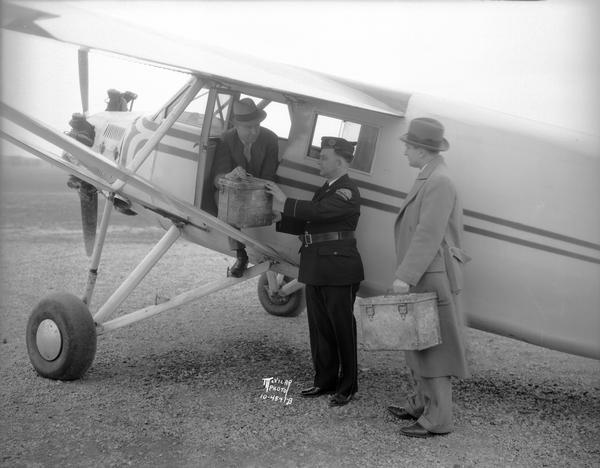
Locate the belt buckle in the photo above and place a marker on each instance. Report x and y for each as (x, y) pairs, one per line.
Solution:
(307, 239)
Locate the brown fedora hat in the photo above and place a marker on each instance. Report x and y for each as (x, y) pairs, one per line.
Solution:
(245, 111)
(426, 133)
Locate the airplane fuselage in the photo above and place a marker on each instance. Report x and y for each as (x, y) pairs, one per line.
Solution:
(530, 194)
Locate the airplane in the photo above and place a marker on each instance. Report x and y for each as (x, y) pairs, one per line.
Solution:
(530, 189)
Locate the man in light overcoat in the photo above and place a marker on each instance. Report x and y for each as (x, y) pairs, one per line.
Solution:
(428, 238)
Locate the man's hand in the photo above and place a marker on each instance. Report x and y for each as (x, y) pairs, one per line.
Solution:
(279, 197)
(400, 287)
(238, 173)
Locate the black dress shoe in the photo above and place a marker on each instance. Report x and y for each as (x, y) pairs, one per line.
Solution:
(399, 412)
(238, 268)
(313, 392)
(340, 400)
(416, 430)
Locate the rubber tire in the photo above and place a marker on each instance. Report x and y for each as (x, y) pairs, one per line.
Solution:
(295, 304)
(78, 333)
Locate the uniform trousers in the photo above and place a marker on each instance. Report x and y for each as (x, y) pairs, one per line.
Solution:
(332, 330)
(432, 403)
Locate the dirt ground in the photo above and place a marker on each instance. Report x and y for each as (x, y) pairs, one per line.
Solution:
(184, 388)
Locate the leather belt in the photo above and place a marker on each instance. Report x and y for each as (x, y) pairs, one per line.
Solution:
(308, 238)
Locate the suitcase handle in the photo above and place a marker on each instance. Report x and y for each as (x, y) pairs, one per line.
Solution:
(390, 292)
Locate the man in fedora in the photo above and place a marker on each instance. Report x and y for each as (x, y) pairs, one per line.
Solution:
(428, 239)
(331, 268)
(246, 149)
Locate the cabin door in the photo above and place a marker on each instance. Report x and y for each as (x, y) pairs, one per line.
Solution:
(216, 120)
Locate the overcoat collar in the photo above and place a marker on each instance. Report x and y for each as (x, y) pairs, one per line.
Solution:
(420, 181)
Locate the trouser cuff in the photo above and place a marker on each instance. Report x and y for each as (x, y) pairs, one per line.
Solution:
(423, 421)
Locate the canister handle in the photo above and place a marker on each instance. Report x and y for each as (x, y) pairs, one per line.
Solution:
(390, 292)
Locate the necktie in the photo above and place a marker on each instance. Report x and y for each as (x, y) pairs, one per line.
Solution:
(321, 192)
(247, 152)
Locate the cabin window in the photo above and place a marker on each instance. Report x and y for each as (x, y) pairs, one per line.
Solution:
(278, 119)
(365, 137)
(194, 112)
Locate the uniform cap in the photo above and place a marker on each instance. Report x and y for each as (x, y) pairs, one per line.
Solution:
(341, 146)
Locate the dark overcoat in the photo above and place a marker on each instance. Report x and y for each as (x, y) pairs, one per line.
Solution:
(264, 154)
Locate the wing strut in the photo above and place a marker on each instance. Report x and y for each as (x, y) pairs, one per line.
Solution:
(181, 299)
(138, 273)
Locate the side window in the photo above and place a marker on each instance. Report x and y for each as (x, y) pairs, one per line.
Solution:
(194, 112)
(364, 135)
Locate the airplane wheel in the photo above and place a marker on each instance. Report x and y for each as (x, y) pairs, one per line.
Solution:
(61, 337)
(282, 306)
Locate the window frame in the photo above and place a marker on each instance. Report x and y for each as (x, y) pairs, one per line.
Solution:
(315, 117)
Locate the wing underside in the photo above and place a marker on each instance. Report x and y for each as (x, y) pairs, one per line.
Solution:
(69, 24)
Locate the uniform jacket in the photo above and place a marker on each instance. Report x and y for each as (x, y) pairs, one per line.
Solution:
(264, 160)
(430, 215)
(332, 209)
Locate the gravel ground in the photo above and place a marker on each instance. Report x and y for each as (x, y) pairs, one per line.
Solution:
(184, 388)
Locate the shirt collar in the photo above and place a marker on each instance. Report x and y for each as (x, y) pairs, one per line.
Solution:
(333, 181)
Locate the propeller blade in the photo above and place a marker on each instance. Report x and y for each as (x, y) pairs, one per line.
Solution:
(88, 198)
(82, 56)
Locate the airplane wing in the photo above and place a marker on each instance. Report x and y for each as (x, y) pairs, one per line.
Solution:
(69, 24)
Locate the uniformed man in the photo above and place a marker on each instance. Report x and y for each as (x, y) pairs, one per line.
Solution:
(331, 268)
(246, 150)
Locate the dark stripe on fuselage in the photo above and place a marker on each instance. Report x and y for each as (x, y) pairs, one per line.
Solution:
(173, 132)
(171, 150)
(470, 213)
(531, 229)
(177, 152)
(468, 228)
(360, 183)
(534, 245)
(312, 188)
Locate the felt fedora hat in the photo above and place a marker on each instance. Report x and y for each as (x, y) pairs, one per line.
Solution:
(245, 111)
(426, 133)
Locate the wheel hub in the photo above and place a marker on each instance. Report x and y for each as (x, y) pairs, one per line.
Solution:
(277, 298)
(48, 340)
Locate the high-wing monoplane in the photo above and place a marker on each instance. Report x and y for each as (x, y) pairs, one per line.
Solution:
(530, 190)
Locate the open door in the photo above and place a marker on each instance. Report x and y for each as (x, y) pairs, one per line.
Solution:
(216, 120)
